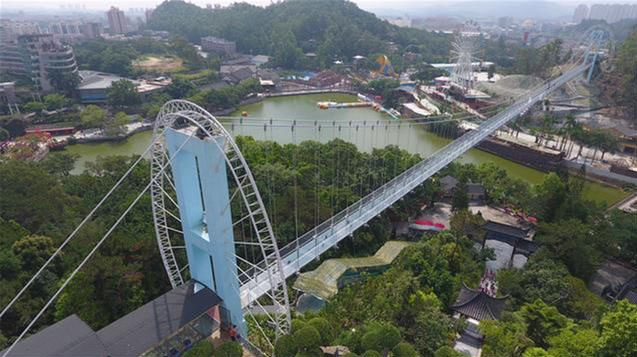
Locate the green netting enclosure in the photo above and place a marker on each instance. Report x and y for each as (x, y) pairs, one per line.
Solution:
(333, 274)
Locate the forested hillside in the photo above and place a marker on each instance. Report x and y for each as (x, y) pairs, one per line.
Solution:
(330, 28)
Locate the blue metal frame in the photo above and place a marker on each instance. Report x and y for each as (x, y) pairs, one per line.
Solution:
(199, 173)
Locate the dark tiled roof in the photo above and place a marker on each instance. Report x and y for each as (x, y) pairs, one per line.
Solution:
(242, 74)
(526, 246)
(448, 182)
(475, 189)
(145, 327)
(629, 291)
(631, 296)
(68, 337)
(131, 335)
(504, 229)
(478, 305)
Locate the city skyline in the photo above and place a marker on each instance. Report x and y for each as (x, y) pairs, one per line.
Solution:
(366, 4)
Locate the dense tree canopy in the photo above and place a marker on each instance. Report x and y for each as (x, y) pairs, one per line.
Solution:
(334, 29)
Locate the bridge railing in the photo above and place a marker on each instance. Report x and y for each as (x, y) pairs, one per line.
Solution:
(408, 178)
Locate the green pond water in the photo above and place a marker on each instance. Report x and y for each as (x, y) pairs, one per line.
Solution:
(281, 111)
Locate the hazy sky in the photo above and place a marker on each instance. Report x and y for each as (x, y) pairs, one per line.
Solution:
(125, 4)
(365, 4)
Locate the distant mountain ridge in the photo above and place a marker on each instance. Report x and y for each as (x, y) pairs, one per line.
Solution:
(330, 28)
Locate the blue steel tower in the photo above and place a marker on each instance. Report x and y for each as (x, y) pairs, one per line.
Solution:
(201, 183)
(198, 177)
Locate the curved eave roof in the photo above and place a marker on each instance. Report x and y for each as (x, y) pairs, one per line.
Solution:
(476, 304)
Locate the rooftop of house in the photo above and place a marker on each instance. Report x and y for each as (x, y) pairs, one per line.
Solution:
(475, 189)
(216, 39)
(448, 182)
(231, 68)
(131, 335)
(476, 304)
(97, 80)
(504, 229)
(498, 215)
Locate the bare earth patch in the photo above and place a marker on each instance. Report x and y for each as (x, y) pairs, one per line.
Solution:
(159, 64)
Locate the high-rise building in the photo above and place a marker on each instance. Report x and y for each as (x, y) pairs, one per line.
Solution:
(148, 14)
(117, 21)
(37, 57)
(613, 12)
(91, 29)
(581, 13)
(10, 30)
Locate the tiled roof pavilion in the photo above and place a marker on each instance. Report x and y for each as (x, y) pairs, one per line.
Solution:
(478, 305)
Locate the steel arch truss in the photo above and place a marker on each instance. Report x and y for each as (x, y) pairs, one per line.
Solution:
(184, 113)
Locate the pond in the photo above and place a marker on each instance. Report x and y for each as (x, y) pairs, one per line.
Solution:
(379, 130)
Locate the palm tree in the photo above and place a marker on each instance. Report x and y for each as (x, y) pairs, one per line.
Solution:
(609, 143)
(571, 127)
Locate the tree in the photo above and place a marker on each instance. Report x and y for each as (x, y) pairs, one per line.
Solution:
(491, 71)
(16, 127)
(55, 101)
(204, 348)
(426, 73)
(180, 88)
(42, 205)
(286, 52)
(117, 125)
(59, 164)
(618, 336)
(438, 331)
(621, 233)
(404, 349)
(229, 349)
(446, 351)
(537, 352)
(381, 338)
(627, 71)
(307, 339)
(460, 199)
(33, 251)
(504, 338)
(123, 93)
(285, 346)
(551, 194)
(574, 342)
(4, 135)
(371, 353)
(34, 107)
(541, 278)
(582, 303)
(93, 116)
(572, 242)
(65, 82)
(325, 330)
(542, 322)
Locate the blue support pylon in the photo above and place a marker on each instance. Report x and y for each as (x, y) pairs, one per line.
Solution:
(199, 173)
(590, 71)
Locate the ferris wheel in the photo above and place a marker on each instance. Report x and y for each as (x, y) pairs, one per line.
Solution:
(210, 221)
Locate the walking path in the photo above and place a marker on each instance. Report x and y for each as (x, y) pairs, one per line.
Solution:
(629, 205)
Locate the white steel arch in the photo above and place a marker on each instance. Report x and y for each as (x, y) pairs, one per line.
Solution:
(182, 113)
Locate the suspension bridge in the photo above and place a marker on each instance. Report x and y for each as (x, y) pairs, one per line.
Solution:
(202, 190)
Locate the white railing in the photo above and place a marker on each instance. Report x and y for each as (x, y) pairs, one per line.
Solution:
(313, 243)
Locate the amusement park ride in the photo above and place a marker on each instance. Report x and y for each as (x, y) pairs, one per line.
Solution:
(211, 223)
(383, 68)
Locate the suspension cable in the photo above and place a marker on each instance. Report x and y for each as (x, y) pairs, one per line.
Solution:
(296, 202)
(82, 223)
(95, 248)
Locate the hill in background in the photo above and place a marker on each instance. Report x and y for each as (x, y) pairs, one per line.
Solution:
(334, 29)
